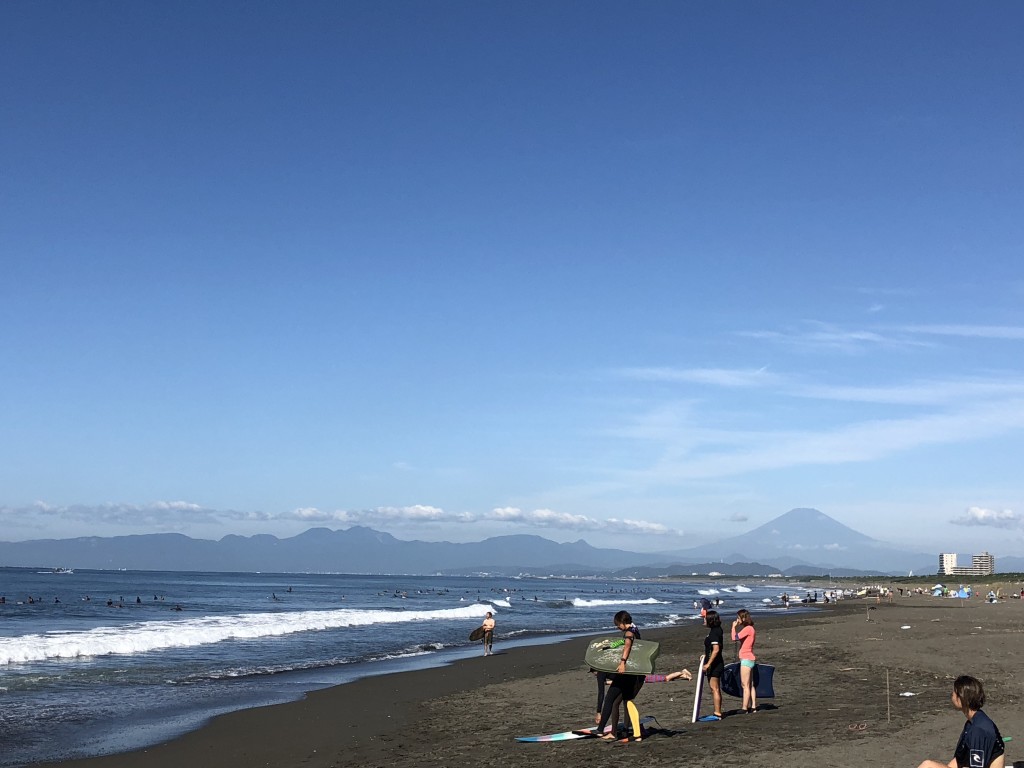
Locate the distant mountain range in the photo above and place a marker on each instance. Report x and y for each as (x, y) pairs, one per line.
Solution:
(799, 542)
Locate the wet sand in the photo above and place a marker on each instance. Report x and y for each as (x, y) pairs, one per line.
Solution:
(840, 673)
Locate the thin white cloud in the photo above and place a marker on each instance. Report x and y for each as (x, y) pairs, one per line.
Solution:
(925, 392)
(1007, 332)
(820, 336)
(896, 292)
(864, 441)
(157, 515)
(722, 377)
(738, 517)
(1005, 518)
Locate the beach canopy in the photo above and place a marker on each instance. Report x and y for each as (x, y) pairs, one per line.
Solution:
(939, 586)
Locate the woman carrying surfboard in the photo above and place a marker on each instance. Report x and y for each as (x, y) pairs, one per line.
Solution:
(623, 688)
(488, 628)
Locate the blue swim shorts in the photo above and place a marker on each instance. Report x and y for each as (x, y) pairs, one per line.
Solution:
(748, 663)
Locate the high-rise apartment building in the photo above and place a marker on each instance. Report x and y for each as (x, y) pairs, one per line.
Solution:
(981, 565)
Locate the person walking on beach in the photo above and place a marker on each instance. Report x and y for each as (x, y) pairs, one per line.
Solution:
(980, 744)
(714, 662)
(743, 631)
(488, 627)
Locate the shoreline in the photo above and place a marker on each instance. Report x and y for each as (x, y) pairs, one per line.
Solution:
(841, 674)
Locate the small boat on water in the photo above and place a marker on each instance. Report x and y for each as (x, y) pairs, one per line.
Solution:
(58, 570)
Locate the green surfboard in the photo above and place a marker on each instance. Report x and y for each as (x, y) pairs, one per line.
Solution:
(605, 654)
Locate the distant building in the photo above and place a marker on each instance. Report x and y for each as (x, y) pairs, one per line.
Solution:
(981, 565)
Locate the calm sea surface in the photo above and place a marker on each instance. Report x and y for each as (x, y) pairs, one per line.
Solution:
(94, 662)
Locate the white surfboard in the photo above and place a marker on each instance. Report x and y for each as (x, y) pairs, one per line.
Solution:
(698, 690)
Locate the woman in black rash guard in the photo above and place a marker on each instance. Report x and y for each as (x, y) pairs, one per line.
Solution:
(714, 662)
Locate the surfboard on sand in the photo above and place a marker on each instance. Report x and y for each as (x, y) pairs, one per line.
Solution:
(698, 690)
(582, 733)
(605, 654)
(477, 634)
(763, 675)
(563, 736)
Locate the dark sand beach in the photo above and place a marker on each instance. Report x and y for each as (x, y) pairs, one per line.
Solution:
(840, 673)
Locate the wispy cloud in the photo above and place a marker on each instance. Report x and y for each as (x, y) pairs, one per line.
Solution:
(814, 335)
(924, 392)
(819, 336)
(722, 377)
(1007, 332)
(703, 456)
(1005, 518)
(156, 515)
(894, 292)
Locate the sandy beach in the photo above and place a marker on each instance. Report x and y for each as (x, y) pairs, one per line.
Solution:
(842, 675)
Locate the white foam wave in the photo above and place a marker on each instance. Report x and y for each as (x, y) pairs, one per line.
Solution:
(707, 591)
(145, 637)
(501, 603)
(579, 602)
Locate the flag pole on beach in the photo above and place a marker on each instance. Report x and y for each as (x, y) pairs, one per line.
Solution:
(888, 709)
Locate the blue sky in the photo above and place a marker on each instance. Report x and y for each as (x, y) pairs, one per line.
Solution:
(648, 275)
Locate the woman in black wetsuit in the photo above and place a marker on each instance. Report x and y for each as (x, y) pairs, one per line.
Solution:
(714, 663)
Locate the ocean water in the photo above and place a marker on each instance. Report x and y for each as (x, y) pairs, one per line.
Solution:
(94, 662)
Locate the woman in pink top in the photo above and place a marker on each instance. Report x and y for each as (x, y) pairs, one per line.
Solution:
(743, 630)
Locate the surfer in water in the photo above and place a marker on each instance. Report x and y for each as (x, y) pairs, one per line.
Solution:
(488, 627)
(980, 744)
